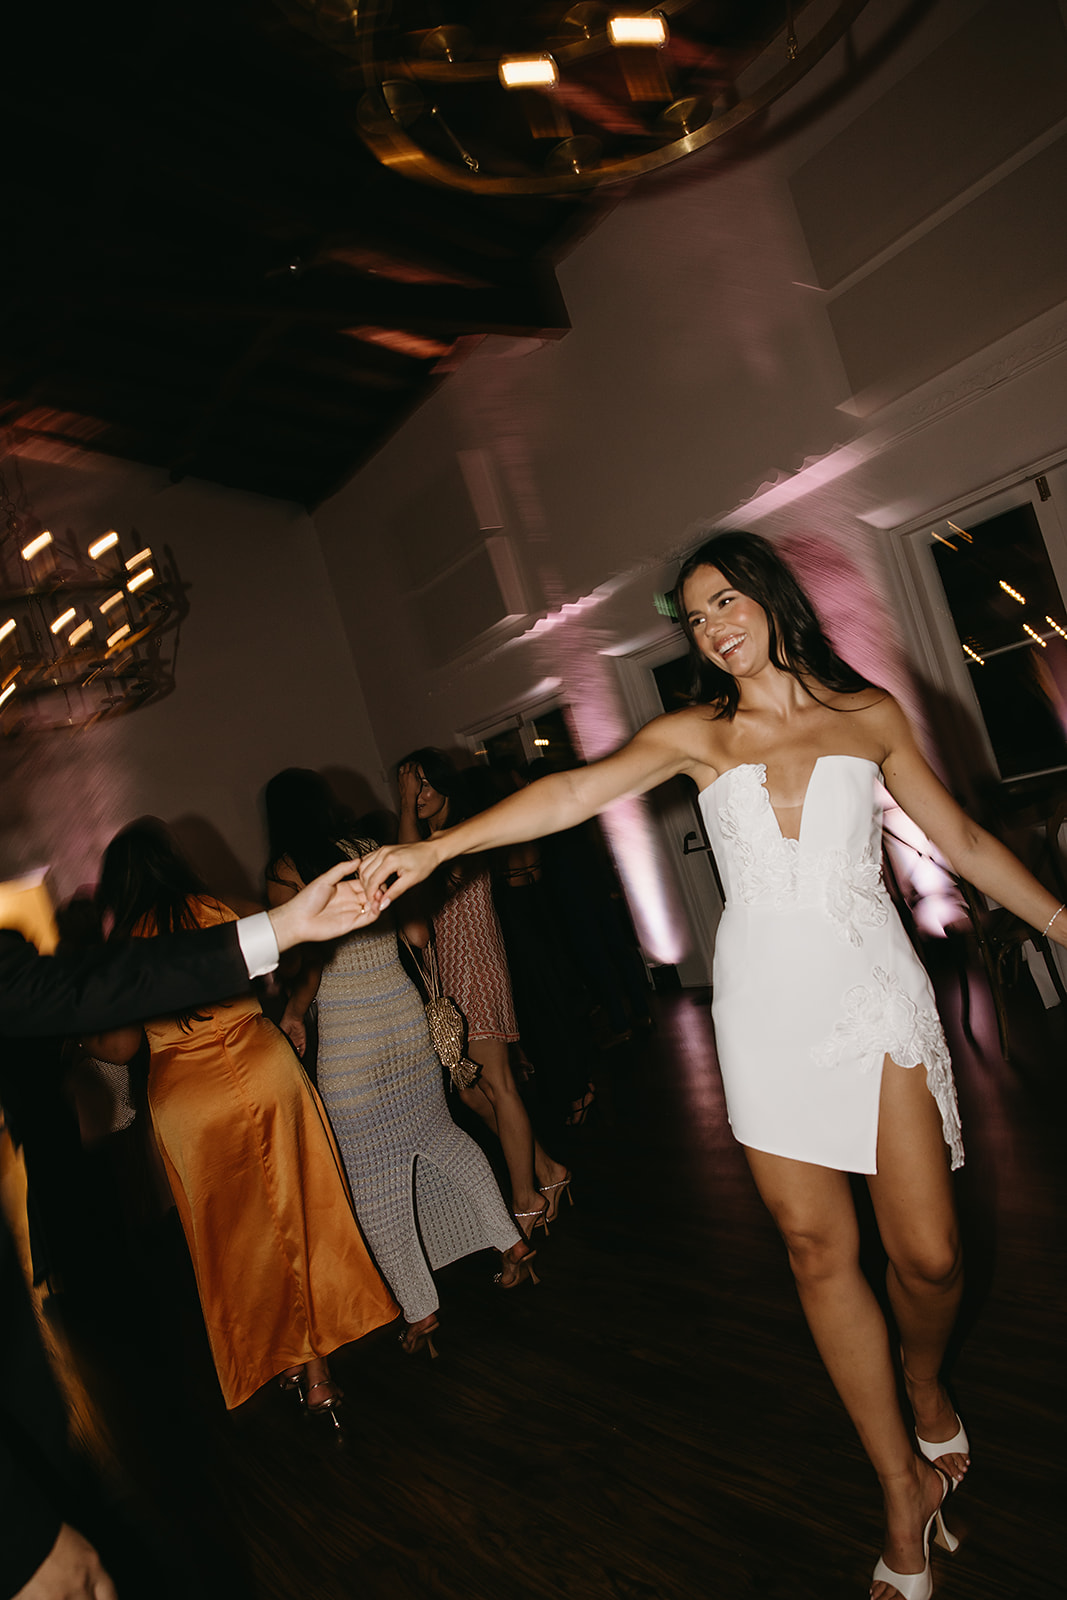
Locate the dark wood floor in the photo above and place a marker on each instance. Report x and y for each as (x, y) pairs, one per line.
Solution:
(652, 1422)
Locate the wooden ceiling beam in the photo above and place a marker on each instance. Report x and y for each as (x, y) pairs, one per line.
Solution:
(531, 304)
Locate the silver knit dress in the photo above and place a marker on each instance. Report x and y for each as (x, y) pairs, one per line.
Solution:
(423, 1190)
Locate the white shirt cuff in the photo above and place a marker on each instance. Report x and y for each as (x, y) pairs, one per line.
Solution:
(259, 947)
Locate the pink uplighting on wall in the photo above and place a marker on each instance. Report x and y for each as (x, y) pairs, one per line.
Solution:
(599, 725)
(864, 635)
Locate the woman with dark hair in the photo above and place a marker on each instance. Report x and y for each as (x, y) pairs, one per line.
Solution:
(381, 1080)
(822, 1012)
(283, 1274)
(474, 972)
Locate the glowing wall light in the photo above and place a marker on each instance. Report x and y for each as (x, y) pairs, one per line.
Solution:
(108, 542)
(648, 31)
(35, 546)
(1013, 592)
(528, 72)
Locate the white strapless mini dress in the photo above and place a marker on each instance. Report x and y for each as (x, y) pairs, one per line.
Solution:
(815, 980)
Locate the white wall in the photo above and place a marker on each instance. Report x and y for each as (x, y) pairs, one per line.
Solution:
(264, 680)
(705, 380)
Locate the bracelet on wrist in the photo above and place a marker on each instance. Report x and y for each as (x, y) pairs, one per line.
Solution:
(1051, 920)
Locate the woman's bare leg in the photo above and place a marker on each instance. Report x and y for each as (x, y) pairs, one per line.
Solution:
(913, 1202)
(813, 1209)
(506, 1115)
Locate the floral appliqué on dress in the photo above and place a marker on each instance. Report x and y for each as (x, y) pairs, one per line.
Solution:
(879, 1020)
(774, 872)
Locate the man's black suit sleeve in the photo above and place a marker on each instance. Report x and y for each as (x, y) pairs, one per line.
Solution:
(88, 991)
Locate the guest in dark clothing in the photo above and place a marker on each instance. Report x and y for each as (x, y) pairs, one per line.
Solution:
(551, 1006)
(90, 991)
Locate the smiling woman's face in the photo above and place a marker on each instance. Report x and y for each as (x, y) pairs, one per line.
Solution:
(728, 628)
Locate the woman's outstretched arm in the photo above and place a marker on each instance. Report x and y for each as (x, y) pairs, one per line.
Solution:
(970, 850)
(562, 800)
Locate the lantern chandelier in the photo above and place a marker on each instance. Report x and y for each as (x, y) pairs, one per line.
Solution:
(552, 99)
(88, 626)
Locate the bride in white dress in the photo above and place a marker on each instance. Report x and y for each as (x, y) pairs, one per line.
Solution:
(832, 1054)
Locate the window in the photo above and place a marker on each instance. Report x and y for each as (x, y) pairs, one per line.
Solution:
(1012, 628)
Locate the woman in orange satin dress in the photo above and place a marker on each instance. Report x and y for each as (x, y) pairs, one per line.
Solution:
(283, 1274)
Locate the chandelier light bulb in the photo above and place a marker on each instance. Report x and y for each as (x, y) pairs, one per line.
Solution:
(112, 600)
(8, 692)
(650, 30)
(120, 633)
(8, 627)
(141, 579)
(61, 622)
(35, 546)
(108, 542)
(80, 632)
(135, 561)
(528, 72)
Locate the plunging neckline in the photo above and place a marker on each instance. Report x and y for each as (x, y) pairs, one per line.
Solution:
(761, 767)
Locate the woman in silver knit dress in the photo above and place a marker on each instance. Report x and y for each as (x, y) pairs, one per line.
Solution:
(423, 1191)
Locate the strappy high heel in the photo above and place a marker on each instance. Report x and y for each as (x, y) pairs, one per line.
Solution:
(958, 1445)
(521, 1265)
(419, 1335)
(581, 1107)
(540, 1219)
(920, 1585)
(327, 1407)
(553, 1193)
(291, 1382)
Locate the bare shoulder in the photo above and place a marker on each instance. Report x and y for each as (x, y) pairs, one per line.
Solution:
(878, 714)
(691, 735)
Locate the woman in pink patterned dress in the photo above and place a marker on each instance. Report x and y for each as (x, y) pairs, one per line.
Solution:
(474, 972)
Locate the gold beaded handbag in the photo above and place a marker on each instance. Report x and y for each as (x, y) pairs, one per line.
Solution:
(446, 1022)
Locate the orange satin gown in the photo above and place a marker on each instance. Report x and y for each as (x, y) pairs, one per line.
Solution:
(281, 1266)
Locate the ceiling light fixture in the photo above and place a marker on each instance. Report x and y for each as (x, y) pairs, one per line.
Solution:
(53, 675)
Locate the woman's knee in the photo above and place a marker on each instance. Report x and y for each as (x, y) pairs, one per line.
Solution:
(935, 1262)
(817, 1254)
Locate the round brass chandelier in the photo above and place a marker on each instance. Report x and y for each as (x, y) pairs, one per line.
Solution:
(552, 99)
(88, 625)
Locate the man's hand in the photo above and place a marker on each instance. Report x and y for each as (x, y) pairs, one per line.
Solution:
(328, 908)
(404, 864)
(70, 1571)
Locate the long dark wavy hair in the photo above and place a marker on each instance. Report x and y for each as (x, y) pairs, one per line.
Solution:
(305, 822)
(439, 770)
(797, 642)
(145, 874)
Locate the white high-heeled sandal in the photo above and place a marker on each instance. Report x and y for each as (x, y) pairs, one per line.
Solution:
(958, 1445)
(920, 1585)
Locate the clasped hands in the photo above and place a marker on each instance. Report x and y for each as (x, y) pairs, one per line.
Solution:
(352, 894)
